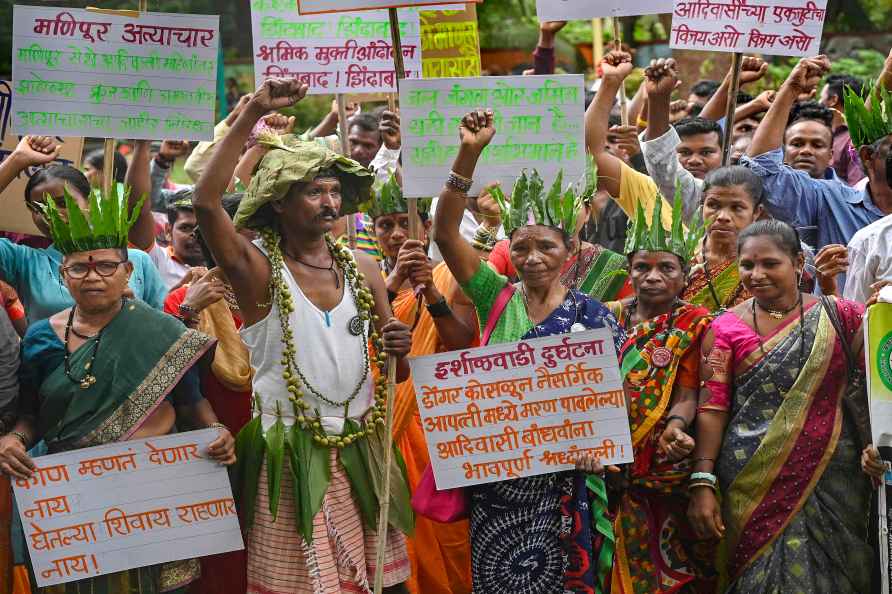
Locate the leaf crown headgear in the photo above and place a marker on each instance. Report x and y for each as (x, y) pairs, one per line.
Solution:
(387, 198)
(866, 126)
(530, 205)
(105, 226)
(655, 238)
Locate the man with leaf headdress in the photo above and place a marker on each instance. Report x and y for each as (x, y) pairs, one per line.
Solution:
(311, 461)
(428, 299)
(660, 362)
(107, 369)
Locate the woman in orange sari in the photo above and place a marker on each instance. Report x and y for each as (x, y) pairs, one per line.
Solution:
(428, 299)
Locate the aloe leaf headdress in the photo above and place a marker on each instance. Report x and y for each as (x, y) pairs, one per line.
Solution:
(105, 226)
(866, 126)
(653, 238)
(387, 198)
(531, 205)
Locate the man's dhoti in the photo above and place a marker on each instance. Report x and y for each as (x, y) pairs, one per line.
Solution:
(341, 557)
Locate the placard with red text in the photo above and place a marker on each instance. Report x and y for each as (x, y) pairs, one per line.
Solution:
(333, 53)
(81, 73)
(775, 27)
(522, 409)
(124, 505)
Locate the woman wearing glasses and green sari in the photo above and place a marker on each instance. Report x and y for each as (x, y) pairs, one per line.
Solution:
(107, 369)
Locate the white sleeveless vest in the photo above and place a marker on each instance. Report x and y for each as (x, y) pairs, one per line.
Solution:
(330, 357)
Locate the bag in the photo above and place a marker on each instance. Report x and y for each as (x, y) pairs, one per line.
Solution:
(451, 505)
(855, 399)
(447, 505)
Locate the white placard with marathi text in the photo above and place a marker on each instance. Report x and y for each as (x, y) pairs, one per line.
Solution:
(568, 10)
(332, 53)
(522, 409)
(773, 27)
(124, 505)
(322, 6)
(538, 122)
(81, 73)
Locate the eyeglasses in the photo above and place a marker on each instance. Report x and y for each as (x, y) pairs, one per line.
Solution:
(104, 269)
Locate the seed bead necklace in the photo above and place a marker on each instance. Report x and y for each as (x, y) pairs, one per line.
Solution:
(89, 379)
(294, 378)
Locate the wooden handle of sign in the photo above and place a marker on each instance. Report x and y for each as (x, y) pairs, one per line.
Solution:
(343, 132)
(108, 166)
(623, 100)
(736, 62)
(384, 502)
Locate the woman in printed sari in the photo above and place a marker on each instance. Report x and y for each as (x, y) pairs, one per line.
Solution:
(732, 200)
(529, 535)
(780, 430)
(107, 369)
(655, 548)
(439, 553)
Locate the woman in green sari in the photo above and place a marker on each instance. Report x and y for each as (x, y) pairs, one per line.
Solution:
(782, 431)
(108, 369)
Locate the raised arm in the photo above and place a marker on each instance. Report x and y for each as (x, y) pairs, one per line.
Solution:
(142, 233)
(805, 76)
(31, 151)
(243, 265)
(751, 70)
(616, 67)
(476, 132)
(661, 79)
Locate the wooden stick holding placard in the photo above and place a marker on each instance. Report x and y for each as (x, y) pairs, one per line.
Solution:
(343, 132)
(108, 153)
(736, 62)
(384, 512)
(623, 100)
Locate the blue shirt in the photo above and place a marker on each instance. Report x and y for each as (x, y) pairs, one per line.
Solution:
(835, 208)
(34, 274)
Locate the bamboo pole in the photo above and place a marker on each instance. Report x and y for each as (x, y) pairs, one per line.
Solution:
(343, 132)
(736, 62)
(623, 100)
(384, 513)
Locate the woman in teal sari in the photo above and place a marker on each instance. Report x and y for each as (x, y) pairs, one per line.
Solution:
(108, 369)
(781, 431)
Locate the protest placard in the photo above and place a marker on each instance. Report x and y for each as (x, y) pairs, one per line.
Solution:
(878, 363)
(775, 27)
(16, 216)
(538, 120)
(323, 6)
(81, 73)
(568, 10)
(124, 505)
(332, 53)
(521, 409)
(450, 43)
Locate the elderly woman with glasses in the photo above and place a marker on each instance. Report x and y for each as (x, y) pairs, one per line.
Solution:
(106, 369)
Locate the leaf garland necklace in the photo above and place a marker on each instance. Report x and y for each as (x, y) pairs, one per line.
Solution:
(294, 378)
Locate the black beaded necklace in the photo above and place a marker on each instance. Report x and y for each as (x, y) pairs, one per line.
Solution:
(89, 379)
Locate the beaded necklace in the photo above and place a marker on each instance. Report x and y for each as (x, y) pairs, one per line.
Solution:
(294, 378)
(89, 379)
